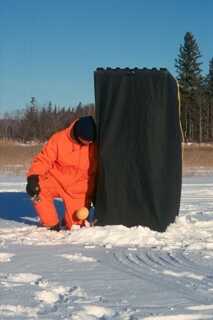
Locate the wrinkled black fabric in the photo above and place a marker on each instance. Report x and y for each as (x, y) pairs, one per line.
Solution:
(139, 147)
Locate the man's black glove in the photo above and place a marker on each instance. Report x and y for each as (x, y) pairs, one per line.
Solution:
(33, 187)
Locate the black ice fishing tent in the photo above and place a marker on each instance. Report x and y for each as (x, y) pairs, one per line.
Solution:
(139, 147)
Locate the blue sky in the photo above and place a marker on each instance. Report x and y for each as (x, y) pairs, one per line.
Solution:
(50, 49)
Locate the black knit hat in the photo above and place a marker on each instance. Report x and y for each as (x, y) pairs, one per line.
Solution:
(85, 128)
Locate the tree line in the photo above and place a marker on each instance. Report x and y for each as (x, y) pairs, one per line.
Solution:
(196, 92)
(36, 123)
(196, 101)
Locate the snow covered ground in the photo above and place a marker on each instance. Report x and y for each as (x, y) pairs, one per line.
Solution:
(107, 273)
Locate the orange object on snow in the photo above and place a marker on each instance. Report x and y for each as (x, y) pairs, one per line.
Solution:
(67, 170)
(82, 213)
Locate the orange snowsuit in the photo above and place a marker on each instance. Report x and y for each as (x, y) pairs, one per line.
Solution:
(66, 169)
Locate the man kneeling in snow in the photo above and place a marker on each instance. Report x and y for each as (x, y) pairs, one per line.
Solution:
(65, 168)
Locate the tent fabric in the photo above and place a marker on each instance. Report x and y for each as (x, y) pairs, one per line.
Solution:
(139, 147)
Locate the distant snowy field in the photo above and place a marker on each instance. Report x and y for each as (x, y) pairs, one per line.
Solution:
(107, 273)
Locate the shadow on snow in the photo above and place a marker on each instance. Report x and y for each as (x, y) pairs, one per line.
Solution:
(17, 206)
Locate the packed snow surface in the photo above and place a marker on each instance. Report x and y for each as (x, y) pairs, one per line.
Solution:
(107, 273)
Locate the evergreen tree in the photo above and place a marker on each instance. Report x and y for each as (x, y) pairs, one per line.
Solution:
(188, 69)
(209, 100)
(210, 79)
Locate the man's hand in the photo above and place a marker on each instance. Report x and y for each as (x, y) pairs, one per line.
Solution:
(33, 187)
